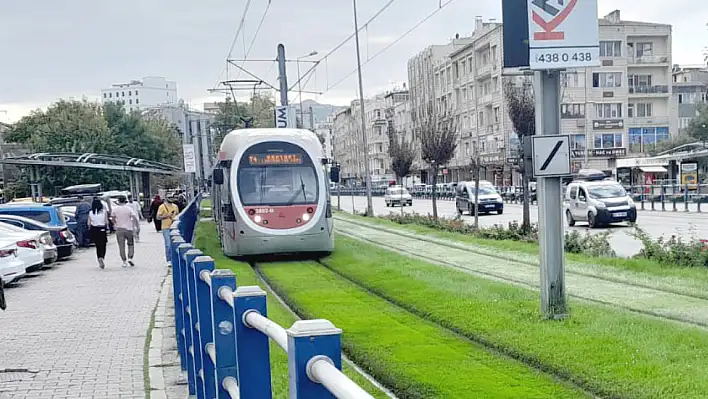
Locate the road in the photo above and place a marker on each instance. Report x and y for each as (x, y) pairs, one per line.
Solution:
(655, 223)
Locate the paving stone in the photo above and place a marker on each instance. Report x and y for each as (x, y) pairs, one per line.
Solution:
(83, 329)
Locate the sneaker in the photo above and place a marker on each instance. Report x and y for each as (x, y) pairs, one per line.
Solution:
(100, 263)
(130, 262)
(125, 264)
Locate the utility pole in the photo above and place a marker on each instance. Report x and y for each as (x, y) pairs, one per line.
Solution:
(369, 204)
(282, 75)
(312, 119)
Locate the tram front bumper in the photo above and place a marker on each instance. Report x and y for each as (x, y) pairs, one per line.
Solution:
(264, 245)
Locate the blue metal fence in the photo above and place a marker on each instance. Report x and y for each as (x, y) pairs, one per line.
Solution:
(223, 333)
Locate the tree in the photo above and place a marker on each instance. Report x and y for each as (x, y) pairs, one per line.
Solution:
(698, 128)
(438, 141)
(234, 115)
(672, 143)
(521, 106)
(402, 155)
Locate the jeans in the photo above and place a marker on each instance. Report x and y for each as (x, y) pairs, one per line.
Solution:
(122, 236)
(166, 237)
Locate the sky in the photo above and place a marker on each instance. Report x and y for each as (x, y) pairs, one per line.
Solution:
(73, 48)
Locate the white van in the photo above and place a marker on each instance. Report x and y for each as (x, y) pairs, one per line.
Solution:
(398, 195)
(598, 200)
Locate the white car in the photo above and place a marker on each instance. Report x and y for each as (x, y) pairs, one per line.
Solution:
(11, 267)
(44, 240)
(398, 195)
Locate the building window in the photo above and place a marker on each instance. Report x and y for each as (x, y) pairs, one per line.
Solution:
(137, 101)
(644, 49)
(572, 79)
(104, 95)
(639, 80)
(608, 111)
(642, 139)
(136, 92)
(577, 142)
(572, 111)
(608, 140)
(122, 93)
(117, 95)
(610, 48)
(607, 79)
(130, 102)
(496, 114)
(130, 92)
(639, 110)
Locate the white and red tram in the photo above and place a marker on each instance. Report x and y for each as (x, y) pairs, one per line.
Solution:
(271, 193)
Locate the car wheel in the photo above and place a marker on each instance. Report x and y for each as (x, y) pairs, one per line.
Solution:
(499, 212)
(459, 211)
(591, 220)
(569, 218)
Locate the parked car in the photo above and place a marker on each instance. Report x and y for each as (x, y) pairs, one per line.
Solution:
(62, 237)
(44, 238)
(11, 267)
(397, 195)
(45, 213)
(29, 247)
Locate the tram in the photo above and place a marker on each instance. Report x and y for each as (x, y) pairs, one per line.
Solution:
(271, 194)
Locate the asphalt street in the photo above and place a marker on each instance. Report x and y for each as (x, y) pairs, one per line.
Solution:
(655, 223)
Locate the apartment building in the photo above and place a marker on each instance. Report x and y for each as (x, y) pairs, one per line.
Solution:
(138, 95)
(689, 93)
(324, 131)
(624, 106)
(346, 145)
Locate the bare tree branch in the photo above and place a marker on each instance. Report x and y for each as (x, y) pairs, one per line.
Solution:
(402, 154)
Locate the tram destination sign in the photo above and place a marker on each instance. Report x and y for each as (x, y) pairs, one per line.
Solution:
(563, 34)
(275, 159)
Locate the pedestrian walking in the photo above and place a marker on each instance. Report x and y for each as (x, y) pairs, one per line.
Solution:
(154, 206)
(125, 219)
(97, 226)
(135, 206)
(167, 213)
(82, 231)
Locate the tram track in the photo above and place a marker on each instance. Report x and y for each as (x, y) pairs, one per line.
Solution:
(645, 299)
(557, 374)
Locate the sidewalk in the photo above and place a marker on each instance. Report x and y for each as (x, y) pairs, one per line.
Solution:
(76, 331)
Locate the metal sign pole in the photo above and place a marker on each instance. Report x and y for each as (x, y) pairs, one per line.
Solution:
(550, 211)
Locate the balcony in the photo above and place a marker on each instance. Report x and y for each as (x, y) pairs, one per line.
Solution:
(648, 121)
(648, 60)
(649, 91)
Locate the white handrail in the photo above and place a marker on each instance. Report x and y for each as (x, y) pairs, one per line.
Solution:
(231, 386)
(211, 351)
(321, 370)
(253, 319)
(205, 277)
(227, 294)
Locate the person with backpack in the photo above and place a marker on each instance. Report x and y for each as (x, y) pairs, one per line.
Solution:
(97, 224)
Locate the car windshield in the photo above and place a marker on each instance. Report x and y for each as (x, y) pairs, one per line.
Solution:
(606, 191)
(398, 191)
(484, 190)
(274, 185)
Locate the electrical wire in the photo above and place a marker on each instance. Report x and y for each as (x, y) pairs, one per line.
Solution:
(421, 22)
(240, 28)
(255, 36)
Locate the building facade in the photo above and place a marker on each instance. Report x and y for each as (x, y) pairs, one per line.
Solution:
(324, 132)
(689, 94)
(139, 95)
(624, 106)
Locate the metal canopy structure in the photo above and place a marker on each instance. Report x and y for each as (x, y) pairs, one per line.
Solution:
(93, 161)
(686, 151)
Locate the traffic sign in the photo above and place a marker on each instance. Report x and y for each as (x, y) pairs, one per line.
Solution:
(551, 156)
(563, 34)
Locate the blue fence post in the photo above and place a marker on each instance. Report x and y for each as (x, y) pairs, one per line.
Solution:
(308, 339)
(189, 257)
(252, 346)
(181, 250)
(202, 265)
(223, 334)
(179, 313)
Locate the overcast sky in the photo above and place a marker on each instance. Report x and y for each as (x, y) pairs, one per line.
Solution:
(72, 48)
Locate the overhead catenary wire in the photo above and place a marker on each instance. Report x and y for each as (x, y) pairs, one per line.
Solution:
(409, 31)
(240, 28)
(255, 36)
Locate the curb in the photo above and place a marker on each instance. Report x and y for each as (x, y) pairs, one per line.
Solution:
(157, 378)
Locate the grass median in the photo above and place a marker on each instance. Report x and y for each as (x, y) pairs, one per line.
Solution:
(208, 241)
(412, 356)
(607, 351)
(649, 267)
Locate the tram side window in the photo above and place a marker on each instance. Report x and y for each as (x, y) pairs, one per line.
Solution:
(277, 185)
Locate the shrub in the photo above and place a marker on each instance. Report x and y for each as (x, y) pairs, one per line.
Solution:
(597, 245)
(673, 251)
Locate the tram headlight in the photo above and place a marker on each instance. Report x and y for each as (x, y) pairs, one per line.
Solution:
(306, 216)
(257, 218)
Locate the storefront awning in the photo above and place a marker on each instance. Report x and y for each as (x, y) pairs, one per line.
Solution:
(653, 169)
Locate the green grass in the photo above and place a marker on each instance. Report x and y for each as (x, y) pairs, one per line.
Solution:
(415, 357)
(635, 265)
(208, 241)
(206, 203)
(607, 351)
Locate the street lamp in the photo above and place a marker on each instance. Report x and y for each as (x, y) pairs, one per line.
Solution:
(299, 84)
